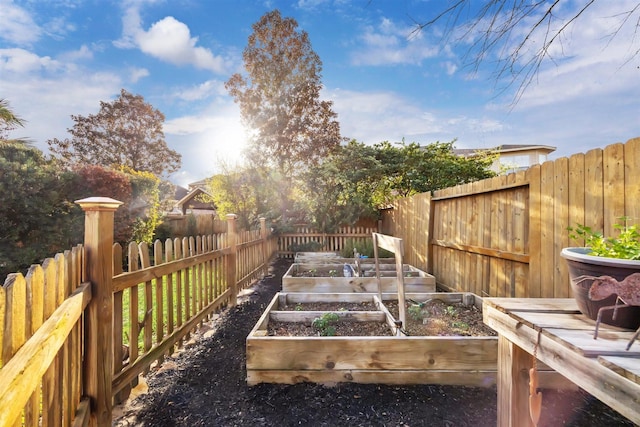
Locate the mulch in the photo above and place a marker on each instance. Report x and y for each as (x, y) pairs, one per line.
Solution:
(205, 385)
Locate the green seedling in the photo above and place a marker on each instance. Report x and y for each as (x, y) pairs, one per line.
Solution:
(416, 312)
(325, 324)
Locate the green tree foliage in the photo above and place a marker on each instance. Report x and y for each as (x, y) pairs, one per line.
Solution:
(279, 101)
(36, 217)
(359, 179)
(146, 201)
(94, 180)
(409, 169)
(125, 132)
(340, 190)
(8, 120)
(246, 191)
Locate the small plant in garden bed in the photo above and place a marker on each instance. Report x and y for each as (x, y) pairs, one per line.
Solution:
(325, 324)
(624, 246)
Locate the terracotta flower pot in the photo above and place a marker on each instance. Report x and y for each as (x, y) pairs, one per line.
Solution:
(584, 268)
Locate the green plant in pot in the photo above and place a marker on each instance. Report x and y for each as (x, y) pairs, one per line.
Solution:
(604, 259)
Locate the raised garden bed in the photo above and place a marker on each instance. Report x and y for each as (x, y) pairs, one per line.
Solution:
(391, 359)
(329, 278)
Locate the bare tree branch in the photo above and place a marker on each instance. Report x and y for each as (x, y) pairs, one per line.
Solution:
(495, 28)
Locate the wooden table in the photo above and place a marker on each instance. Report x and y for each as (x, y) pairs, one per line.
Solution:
(561, 337)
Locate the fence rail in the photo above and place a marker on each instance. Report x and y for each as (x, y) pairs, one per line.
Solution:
(62, 311)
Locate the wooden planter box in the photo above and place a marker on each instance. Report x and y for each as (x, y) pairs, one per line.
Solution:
(329, 279)
(468, 361)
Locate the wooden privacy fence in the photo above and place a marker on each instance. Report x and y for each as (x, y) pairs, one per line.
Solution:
(78, 330)
(502, 237)
(306, 239)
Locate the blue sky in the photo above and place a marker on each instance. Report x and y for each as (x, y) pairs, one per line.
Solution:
(62, 57)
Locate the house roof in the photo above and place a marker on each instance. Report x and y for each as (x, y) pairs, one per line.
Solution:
(506, 148)
(189, 200)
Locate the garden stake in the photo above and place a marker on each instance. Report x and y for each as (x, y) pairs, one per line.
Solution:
(535, 397)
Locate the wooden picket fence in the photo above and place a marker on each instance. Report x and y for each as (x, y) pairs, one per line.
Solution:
(502, 237)
(307, 239)
(69, 329)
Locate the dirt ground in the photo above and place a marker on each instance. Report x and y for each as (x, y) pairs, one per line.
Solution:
(204, 385)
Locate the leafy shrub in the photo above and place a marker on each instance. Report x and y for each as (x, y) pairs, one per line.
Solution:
(626, 245)
(363, 247)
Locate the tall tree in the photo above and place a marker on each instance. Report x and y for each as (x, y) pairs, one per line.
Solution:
(279, 99)
(125, 132)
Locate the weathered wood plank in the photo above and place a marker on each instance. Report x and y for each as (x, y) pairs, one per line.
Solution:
(629, 367)
(542, 305)
(513, 387)
(309, 316)
(439, 353)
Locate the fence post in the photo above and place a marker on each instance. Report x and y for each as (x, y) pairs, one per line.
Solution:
(98, 323)
(265, 249)
(231, 260)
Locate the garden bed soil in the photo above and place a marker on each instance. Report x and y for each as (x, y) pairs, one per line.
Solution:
(205, 385)
(341, 329)
(431, 318)
(438, 318)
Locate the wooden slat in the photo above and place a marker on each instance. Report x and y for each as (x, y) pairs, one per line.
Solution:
(21, 375)
(560, 223)
(632, 179)
(35, 313)
(134, 303)
(309, 316)
(147, 320)
(614, 199)
(629, 367)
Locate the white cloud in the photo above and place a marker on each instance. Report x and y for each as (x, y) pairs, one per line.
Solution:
(388, 44)
(372, 117)
(83, 53)
(450, 67)
(45, 92)
(202, 91)
(17, 25)
(22, 61)
(168, 40)
(137, 74)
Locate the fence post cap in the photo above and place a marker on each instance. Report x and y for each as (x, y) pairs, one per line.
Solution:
(98, 203)
(232, 216)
